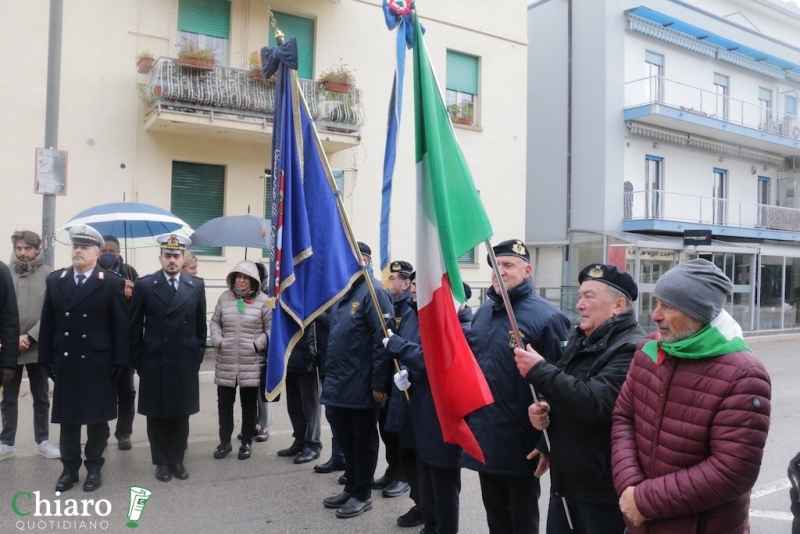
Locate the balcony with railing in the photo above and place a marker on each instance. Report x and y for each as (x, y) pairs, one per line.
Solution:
(663, 102)
(658, 210)
(232, 104)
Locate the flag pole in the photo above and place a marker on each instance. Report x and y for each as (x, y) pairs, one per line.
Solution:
(348, 228)
(518, 339)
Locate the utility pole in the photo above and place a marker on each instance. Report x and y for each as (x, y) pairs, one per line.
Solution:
(51, 120)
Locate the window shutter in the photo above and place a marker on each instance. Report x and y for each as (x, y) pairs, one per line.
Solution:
(208, 17)
(462, 72)
(198, 196)
(653, 58)
(468, 257)
(303, 29)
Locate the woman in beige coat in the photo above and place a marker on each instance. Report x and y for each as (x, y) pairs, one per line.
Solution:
(239, 332)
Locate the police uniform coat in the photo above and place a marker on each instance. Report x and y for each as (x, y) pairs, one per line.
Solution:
(356, 362)
(168, 342)
(83, 333)
(502, 428)
(426, 430)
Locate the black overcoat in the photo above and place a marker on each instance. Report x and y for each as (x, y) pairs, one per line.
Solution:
(168, 342)
(83, 332)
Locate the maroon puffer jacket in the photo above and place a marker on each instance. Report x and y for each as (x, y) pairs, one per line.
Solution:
(690, 434)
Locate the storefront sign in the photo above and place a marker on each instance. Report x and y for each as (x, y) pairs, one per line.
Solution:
(696, 237)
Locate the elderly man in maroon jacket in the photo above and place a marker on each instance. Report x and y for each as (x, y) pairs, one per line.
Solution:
(691, 421)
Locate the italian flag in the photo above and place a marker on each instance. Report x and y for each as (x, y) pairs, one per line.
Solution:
(450, 222)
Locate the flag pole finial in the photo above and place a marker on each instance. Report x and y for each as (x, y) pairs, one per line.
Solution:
(279, 36)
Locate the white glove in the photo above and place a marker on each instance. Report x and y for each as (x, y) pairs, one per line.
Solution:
(388, 335)
(401, 380)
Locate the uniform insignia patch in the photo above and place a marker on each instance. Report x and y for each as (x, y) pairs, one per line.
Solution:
(596, 271)
(513, 342)
(63, 273)
(353, 308)
(100, 275)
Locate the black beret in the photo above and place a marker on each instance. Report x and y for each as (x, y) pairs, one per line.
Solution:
(400, 267)
(413, 276)
(512, 247)
(609, 274)
(364, 248)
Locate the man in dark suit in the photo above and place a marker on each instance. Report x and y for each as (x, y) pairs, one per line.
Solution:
(168, 337)
(83, 341)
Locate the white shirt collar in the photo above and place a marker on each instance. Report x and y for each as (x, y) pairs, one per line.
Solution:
(168, 277)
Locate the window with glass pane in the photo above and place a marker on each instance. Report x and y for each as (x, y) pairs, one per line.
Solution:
(653, 71)
(720, 203)
(206, 24)
(654, 186)
(462, 87)
(721, 89)
(468, 258)
(767, 120)
(198, 195)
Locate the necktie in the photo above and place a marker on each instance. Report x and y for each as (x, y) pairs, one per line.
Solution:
(81, 278)
(174, 283)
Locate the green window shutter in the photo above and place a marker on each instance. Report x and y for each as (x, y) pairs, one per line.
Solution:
(208, 17)
(462, 72)
(303, 29)
(198, 195)
(468, 257)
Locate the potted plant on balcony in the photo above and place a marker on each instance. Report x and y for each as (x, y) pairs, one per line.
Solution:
(192, 56)
(144, 62)
(337, 79)
(461, 114)
(256, 68)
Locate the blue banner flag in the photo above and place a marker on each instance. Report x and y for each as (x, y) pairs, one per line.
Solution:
(397, 14)
(312, 261)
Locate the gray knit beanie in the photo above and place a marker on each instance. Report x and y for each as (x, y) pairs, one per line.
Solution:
(698, 288)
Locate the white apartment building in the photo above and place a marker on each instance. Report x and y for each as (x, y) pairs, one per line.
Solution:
(652, 120)
(197, 142)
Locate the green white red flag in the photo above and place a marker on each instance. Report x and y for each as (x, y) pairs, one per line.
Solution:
(451, 221)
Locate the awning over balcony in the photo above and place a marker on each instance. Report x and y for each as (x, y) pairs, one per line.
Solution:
(670, 29)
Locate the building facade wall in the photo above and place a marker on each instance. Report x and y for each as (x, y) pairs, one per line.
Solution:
(102, 120)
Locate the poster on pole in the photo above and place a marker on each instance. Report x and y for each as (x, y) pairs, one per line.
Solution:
(51, 172)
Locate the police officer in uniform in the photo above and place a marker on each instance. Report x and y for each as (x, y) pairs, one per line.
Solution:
(399, 457)
(168, 337)
(83, 341)
(509, 488)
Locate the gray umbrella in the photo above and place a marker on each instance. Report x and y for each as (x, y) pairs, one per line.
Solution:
(233, 231)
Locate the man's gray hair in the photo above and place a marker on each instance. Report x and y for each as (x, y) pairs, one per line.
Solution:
(615, 293)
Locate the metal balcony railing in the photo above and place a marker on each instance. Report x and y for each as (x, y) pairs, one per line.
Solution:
(657, 204)
(234, 93)
(660, 90)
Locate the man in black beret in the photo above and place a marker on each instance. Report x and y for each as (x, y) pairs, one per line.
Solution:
(395, 481)
(581, 390)
(509, 484)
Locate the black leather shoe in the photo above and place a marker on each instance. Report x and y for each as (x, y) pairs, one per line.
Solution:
(381, 483)
(179, 471)
(245, 451)
(66, 480)
(162, 473)
(337, 501)
(343, 480)
(396, 489)
(412, 518)
(354, 507)
(124, 443)
(334, 464)
(262, 435)
(306, 456)
(294, 450)
(222, 450)
(93, 480)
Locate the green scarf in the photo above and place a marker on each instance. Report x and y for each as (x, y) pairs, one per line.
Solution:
(722, 336)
